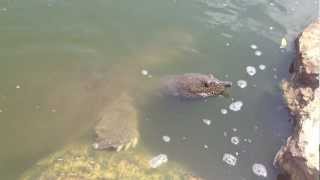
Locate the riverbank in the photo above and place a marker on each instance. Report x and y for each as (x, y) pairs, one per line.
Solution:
(299, 157)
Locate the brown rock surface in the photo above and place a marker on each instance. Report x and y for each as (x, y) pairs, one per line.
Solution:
(299, 157)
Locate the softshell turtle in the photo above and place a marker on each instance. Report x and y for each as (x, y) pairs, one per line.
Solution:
(117, 128)
(194, 85)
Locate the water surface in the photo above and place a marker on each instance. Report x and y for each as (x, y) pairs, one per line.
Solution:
(55, 55)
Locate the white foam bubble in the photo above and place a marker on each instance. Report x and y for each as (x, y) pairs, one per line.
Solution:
(166, 138)
(242, 83)
(257, 53)
(259, 170)
(224, 111)
(229, 159)
(144, 72)
(236, 106)
(251, 70)
(235, 140)
(206, 121)
(262, 67)
(253, 46)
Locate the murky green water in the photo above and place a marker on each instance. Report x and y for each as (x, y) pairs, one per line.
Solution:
(50, 51)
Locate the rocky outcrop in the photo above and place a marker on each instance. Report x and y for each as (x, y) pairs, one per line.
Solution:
(81, 162)
(299, 157)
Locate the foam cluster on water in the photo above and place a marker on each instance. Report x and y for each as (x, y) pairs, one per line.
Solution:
(253, 46)
(235, 140)
(242, 83)
(166, 138)
(257, 53)
(206, 121)
(236, 106)
(259, 170)
(229, 159)
(144, 72)
(262, 67)
(224, 111)
(251, 70)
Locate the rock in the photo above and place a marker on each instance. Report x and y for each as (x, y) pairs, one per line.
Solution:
(299, 157)
(81, 162)
(118, 125)
(194, 85)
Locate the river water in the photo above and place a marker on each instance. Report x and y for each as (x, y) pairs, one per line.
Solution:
(51, 49)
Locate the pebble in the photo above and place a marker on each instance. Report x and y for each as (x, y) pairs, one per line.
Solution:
(229, 159)
(224, 111)
(259, 170)
(257, 53)
(206, 121)
(166, 139)
(262, 67)
(144, 72)
(236, 106)
(251, 70)
(235, 140)
(158, 160)
(242, 83)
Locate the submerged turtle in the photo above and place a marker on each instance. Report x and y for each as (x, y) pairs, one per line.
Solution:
(194, 85)
(117, 128)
